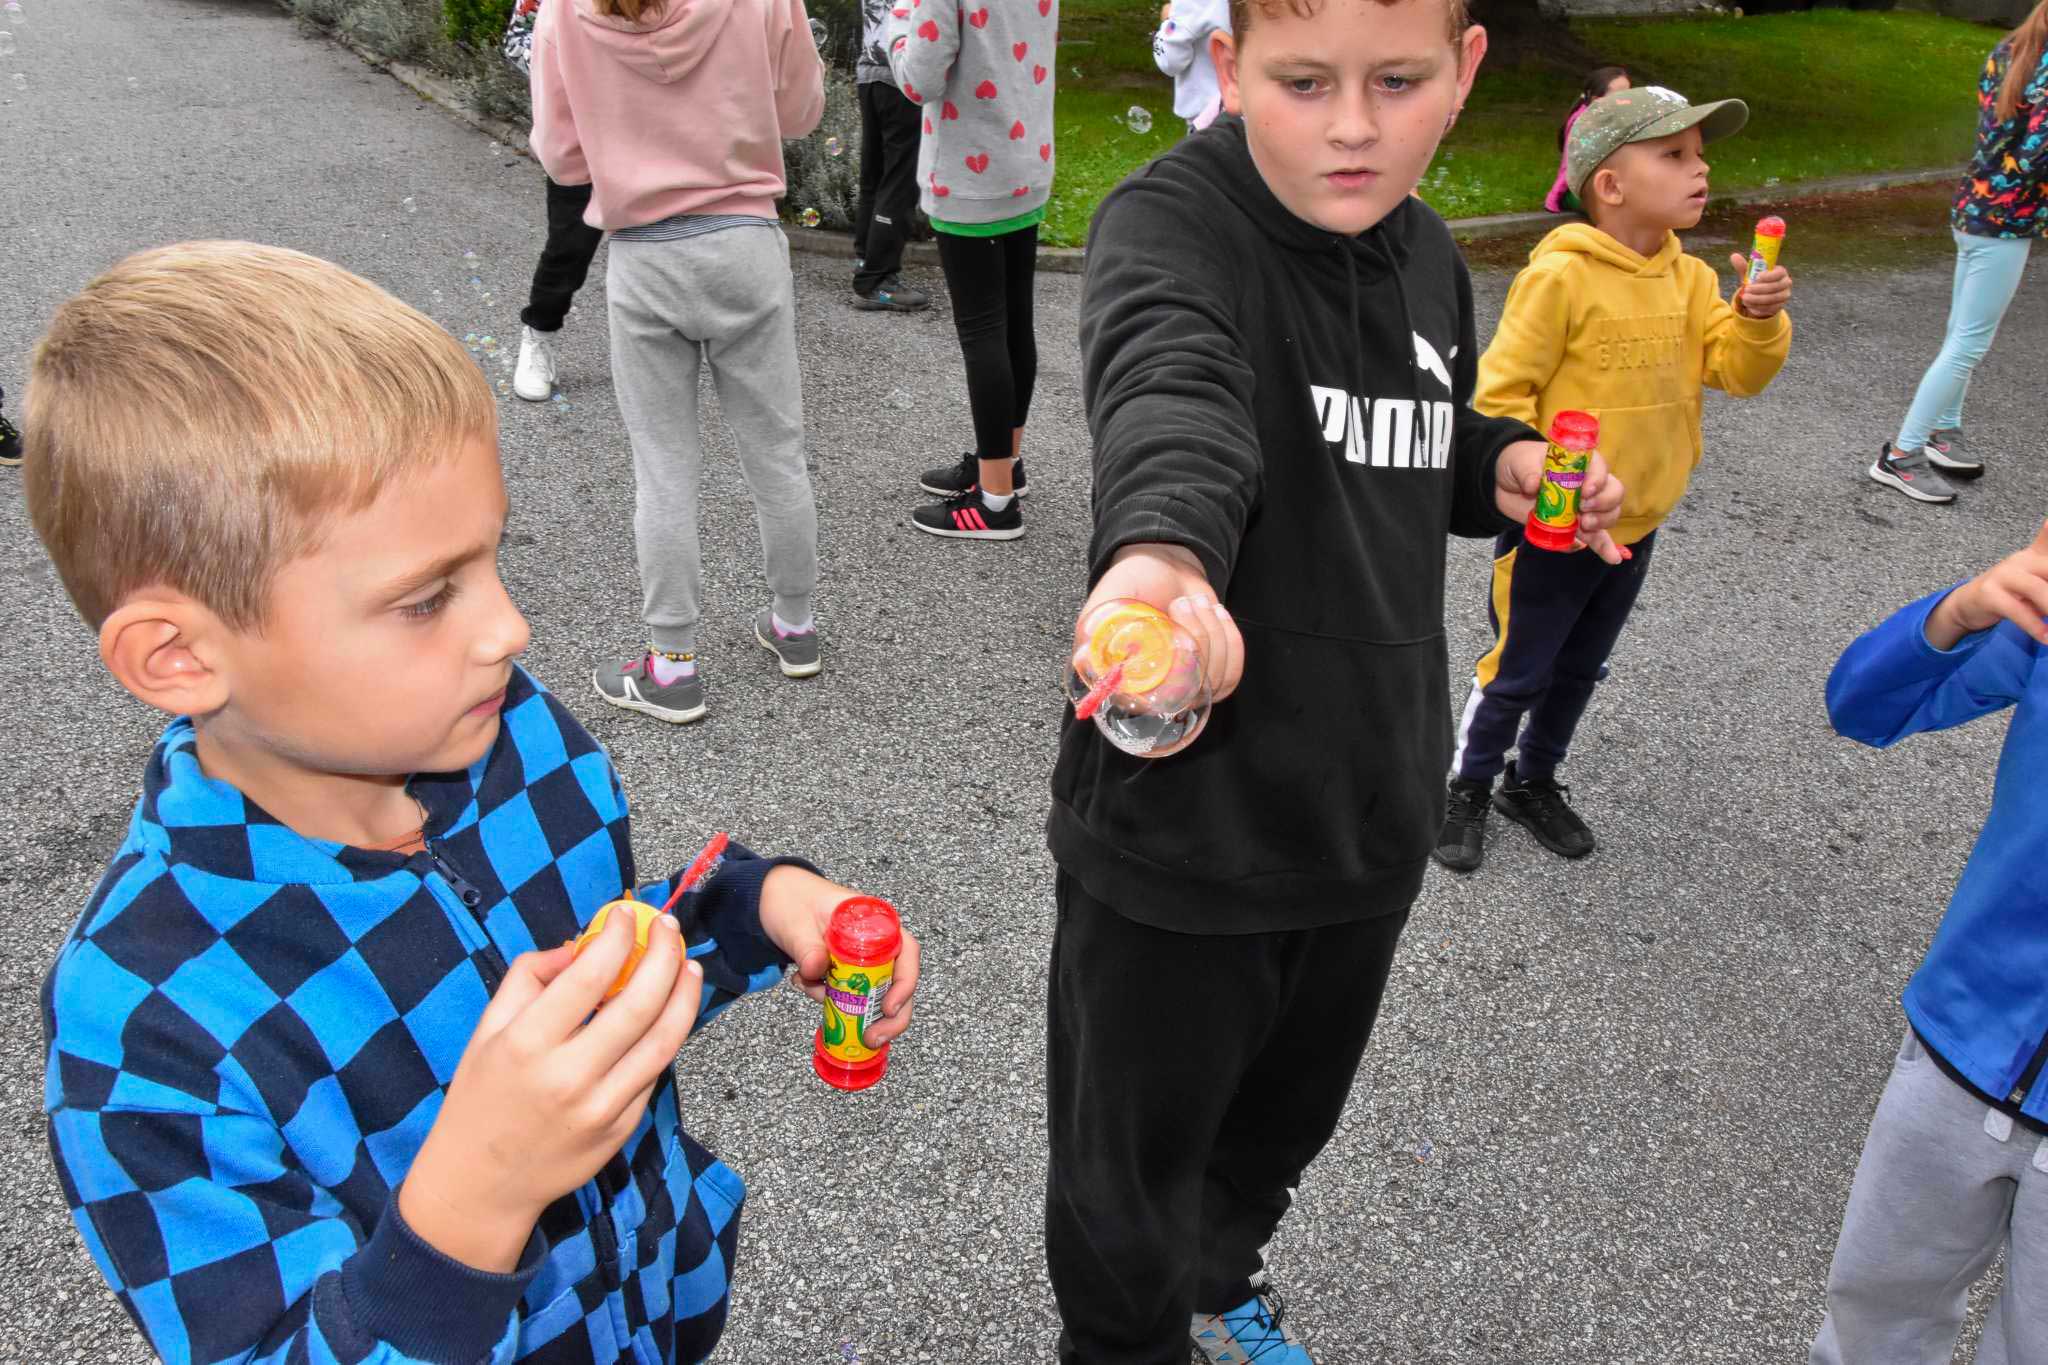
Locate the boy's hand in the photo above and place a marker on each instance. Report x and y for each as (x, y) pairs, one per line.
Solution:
(2014, 589)
(547, 1091)
(796, 907)
(1520, 473)
(1171, 578)
(1766, 295)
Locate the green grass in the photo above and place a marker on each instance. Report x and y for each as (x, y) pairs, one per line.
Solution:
(1831, 92)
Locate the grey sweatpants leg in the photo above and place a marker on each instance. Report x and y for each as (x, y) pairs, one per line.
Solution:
(1937, 1193)
(728, 298)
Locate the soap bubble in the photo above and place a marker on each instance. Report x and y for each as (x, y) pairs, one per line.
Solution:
(819, 33)
(1140, 676)
(833, 147)
(810, 218)
(20, 81)
(410, 206)
(469, 255)
(1424, 1150)
(1139, 119)
(6, 43)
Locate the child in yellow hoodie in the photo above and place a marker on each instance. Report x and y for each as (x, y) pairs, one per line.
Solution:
(1613, 318)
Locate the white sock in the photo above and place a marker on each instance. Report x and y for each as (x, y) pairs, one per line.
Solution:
(995, 502)
(785, 629)
(666, 670)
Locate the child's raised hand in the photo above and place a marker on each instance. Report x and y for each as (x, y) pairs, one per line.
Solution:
(1766, 295)
(2014, 589)
(1520, 473)
(796, 908)
(549, 1088)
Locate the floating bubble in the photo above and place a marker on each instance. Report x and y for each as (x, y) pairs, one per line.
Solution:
(11, 7)
(899, 399)
(810, 218)
(20, 81)
(477, 280)
(1424, 1150)
(410, 206)
(489, 343)
(833, 147)
(819, 33)
(6, 43)
(469, 339)
(469, 255)
(1139, 119)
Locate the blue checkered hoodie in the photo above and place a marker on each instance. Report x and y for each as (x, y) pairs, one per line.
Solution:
(250, 1032)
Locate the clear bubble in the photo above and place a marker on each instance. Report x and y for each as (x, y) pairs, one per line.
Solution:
(810, 218)
(470, 339)
(410, 206)
(469, 255)
(1424, 1150)
(20, 81)
(11, 7)
(899, 399)
(1139, 119)
(819, 33)
(489, 343)
(134, 83)
(477, 281)
(833, 147)
(6, 43)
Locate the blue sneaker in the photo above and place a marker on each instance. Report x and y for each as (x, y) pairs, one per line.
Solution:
(1251, 1332)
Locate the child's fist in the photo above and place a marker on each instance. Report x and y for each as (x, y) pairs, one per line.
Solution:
(1766, 295)
(2014, 589)
(796, 909)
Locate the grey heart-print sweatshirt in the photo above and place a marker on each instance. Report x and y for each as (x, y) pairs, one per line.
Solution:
(984, 72)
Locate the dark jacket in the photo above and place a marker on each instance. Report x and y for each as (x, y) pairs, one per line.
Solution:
(1292, 406)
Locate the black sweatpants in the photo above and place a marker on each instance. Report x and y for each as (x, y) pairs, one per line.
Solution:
(1192, 1079)
(564, 261)
(990, 280)
(1555, 620)
(889, 133)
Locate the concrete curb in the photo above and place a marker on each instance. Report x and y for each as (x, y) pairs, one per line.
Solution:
(1068, 260)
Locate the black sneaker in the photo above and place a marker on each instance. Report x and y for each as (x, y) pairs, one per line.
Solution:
(1914, 475)
(966, 517)
(1462, 845)
(950, 481)
(892, 295)
(10, 443)
(1538, 805)
(1944, 450)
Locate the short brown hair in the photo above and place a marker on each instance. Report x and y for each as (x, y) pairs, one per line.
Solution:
(195, 414)
(1241, 13)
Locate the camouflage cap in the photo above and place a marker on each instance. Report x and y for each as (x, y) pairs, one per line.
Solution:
(1641, 115)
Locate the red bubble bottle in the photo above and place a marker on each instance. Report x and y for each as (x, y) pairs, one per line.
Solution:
(863, 938)
(1554, 522)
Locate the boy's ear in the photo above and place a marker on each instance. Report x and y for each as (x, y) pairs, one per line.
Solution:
(1471, 52)
(160, 646)
(1605, 188)
(1223, 52)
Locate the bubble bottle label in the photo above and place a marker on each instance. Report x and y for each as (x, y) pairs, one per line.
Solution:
(1554, 523)
(862, 938)
(1764, 248)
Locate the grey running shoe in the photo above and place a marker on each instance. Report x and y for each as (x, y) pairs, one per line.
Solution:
(1945, 452)
(894, 296)
(630, 685)
(1914, 475)
(797, 654)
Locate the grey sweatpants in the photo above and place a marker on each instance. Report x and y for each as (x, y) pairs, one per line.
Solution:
(725, 298)
(1944, 1182)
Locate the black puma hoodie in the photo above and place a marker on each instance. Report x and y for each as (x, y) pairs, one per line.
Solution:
(1291, 405)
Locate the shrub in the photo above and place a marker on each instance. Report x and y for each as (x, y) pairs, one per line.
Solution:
(475, 24)
(817, 179)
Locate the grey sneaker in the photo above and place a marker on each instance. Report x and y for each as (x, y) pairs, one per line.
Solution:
(1945, 452)
(797, 654)
(630, 685)
(1914, 475)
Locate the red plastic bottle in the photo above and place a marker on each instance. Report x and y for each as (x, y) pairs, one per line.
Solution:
(863, 938)
(1554, 522)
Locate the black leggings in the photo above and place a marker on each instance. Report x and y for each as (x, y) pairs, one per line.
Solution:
(990, 280)
(564, 261)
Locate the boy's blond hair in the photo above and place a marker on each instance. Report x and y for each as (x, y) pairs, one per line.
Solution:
(197, 412)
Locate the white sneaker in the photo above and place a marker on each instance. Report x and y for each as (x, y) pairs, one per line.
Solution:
(534, 379)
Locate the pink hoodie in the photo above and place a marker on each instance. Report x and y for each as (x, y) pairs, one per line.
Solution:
(683, 112)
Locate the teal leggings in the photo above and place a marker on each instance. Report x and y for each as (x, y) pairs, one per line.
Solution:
(1988, 273)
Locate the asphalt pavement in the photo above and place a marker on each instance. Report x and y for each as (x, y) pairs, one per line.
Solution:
(1612, 1109)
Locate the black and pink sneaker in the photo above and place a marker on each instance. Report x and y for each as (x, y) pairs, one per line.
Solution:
(1944, 450)
(966, 517)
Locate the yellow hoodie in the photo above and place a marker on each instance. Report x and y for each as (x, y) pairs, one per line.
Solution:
(1594, 326)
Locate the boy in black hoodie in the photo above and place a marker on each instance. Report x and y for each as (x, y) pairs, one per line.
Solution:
(1279, 351)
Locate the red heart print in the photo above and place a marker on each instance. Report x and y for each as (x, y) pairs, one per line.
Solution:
(1020, 191)
(940, 191)
(1045, 151)
(900, 13)
(978, 164)
(1044, 8)
(927, 125)
(910, 93)
(1038, 75)
(946, 110)
(1018, 50)
(929, 31)
(1017, 131)
(979, 18)
(985, 91)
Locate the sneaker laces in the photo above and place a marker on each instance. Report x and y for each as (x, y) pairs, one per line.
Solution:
(1548, 795)
(1468, 805)
(1273, 1309)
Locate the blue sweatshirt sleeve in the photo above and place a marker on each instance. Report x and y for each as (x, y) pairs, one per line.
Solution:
(1892, 683)
(223, 1250)
(721, 922)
